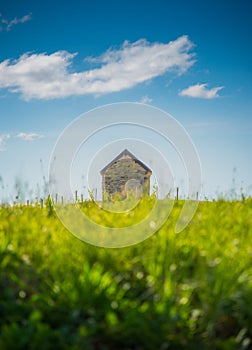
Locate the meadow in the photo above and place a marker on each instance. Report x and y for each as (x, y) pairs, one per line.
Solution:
(187, 290)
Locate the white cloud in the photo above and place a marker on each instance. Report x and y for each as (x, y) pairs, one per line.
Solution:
(32, 136)
(146, 100)
(201, 91)
(47, 76)
(7, 25)
(3, 139)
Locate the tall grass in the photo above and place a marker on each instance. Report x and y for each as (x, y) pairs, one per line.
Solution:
(191, 290)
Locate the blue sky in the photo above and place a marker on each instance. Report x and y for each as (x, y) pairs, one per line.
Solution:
(193, 59)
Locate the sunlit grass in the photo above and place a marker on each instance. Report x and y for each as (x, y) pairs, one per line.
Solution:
(190, 290)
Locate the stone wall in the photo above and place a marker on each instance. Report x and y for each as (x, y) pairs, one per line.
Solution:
(122, 170)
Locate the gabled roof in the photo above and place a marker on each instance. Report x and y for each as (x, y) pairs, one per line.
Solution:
(126, 153)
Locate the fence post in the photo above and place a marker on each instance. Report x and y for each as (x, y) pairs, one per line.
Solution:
(76, 196)
(41, 203)
(177, 191)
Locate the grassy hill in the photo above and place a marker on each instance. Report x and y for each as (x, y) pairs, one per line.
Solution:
(187, 290)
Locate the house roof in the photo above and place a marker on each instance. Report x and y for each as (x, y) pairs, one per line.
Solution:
(126, 153)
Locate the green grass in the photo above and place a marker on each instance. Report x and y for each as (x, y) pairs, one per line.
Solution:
(190, 290)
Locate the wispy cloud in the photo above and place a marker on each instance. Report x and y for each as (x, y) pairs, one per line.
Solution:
(47, 76)
(3, 138)
(146, 100)
(32, 136)
(7, 25)
(201, 91)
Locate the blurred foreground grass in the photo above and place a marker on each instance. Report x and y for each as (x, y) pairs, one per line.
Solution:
(191, 290)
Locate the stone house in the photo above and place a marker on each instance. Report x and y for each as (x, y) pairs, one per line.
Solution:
(123, 175)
